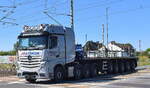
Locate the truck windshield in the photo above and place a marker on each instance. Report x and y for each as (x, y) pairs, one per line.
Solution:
(39, 42)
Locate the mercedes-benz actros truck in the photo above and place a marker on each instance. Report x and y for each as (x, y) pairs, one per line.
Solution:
(48, 51)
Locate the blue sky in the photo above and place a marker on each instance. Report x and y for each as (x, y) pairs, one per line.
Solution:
(129, 20)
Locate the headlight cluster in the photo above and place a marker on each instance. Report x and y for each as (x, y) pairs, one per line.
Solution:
(42, 64)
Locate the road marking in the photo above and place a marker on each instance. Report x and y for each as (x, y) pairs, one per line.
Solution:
(14, 82)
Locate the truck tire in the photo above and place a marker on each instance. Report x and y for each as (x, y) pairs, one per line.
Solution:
(77, 71)
(133, 66)
(127, 66)
(58, 74)
(115, 67)
(110, 68)
(93, 70)
(86, 71)
(121, 67)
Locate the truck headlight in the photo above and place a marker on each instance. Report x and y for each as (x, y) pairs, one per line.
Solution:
(42, 64)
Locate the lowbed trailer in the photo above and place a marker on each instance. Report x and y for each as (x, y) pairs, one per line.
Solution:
(48, 52)
(92, 66)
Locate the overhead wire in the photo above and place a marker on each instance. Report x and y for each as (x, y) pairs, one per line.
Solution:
(118, 12)
(98, 5)
(32, 20)
(26, 2)
(2, 19)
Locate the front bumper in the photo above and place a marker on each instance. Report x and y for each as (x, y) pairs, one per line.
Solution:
(35, 74)
(40, 74)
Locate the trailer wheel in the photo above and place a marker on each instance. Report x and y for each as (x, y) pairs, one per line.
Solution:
(128, 66)
(58, 74)
(133, 65)
(93, 70)
(122, 67)
(78, 72)
(110, 68)
(86, 71)
(115, 67)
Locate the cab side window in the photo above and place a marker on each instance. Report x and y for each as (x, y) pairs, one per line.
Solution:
(53, 42)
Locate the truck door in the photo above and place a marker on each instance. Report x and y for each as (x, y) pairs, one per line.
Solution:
(57, 49)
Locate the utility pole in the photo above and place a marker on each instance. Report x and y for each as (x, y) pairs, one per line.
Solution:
(72, 14)
(139, 45)
(107, 25)
(103, 34)
(85, 38)
(140, 50)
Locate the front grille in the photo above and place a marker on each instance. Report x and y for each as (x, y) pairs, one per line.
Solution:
(33, 63)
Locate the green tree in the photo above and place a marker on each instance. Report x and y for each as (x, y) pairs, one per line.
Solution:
(16, 45)
(148, 52)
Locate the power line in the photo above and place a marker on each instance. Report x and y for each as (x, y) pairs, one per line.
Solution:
(130, 10)
(29, 15)
(95, 3)
(53, 18)
(58, 4)
(118, 12)
(32, 20)
(98, 5)
(26, 2)
(2, 19)
(5, 22)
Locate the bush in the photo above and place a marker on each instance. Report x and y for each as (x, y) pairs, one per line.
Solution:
(5, 53)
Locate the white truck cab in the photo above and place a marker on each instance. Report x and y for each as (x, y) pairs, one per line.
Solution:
(44, 49)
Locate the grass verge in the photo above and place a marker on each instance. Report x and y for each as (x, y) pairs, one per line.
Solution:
(143, 60)
(7, 66)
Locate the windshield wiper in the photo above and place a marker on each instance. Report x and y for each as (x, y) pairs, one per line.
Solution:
(23, 48)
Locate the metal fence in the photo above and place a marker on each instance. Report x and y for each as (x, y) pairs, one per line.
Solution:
(7, 65)
(7, 59)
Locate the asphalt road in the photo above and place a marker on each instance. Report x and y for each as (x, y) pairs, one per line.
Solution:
(139, 79)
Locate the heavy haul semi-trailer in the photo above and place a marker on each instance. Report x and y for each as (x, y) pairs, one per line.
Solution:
(48, 52)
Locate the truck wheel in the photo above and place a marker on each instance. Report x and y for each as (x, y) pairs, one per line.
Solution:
(78, 72)
(128, 66)
(31, 80)
(86, 71)
(121, 67)
(58, 74)
(133, 66)
(93, 70)
(110, 68)
(115, 67)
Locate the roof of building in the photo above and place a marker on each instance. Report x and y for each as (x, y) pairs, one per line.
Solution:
(90, 45)
(126, 46)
